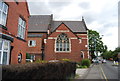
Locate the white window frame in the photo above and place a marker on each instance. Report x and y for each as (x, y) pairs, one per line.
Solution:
(32, 57)
(21, 28)
(33, 44)
(3, 50)
(3, 13)
(62, 45)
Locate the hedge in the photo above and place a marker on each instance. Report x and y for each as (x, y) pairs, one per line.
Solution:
(31, 71)
(86, 62)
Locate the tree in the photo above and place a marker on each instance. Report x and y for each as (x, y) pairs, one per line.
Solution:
(107, 54)
(95, 43)
(111, 54)
(115, 53)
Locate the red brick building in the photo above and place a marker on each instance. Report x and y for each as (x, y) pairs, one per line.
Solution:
(56, 40)
(13, 31)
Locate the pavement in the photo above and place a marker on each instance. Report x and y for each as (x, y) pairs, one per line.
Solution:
(102, 72)
(81, 73)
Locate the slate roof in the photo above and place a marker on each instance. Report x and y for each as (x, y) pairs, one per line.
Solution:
(35, 35)
(75, 26)
(40, 23)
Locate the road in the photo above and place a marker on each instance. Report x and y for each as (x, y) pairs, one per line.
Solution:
(105, 72)
(110, 71)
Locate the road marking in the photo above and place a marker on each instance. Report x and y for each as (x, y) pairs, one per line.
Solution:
(103, 73)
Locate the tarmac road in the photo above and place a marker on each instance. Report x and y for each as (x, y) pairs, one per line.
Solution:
(110, 71)
(102, 72)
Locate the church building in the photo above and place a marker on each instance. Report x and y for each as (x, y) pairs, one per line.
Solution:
(56, 40)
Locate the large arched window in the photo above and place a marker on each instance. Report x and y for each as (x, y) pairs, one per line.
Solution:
(62, 43)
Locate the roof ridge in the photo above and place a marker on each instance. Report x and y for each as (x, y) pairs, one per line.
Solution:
(66, 21)
(40, 15)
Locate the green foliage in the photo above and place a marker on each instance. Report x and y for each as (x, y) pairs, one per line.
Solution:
(28, 56)
(115, 53)
(95, 43)
(66, 60)
(41, 61)
(111, 54)
(82, 66)
(78, 65)
(40, 71)
(86, 62)
(107, 54)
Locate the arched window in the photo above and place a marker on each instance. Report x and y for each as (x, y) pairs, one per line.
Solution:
(62, 43)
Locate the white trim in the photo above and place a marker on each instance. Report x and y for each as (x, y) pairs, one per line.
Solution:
(7, 35)
(84, 38)
(88, 45)
(48, 32)
(56, 38)
(52, 37)
(62, 31)
(73, 38)
(21, 28)
(80, 40)
(45, 41)
(62, 51)
(32, 41)
(3, 20)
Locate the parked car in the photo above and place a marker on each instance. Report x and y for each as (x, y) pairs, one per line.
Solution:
(103, 61)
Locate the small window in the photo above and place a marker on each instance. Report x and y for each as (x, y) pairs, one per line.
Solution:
(82, 55)
(32, 57)
(19, 58)
(31, 43)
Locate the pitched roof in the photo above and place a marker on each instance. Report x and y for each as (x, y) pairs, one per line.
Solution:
(40, 23)
(75, 26)
(35, 35)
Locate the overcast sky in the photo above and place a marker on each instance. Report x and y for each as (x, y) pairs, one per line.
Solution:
(99, 15)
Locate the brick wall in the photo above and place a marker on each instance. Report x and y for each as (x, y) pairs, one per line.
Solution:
(14, 12)
(37, 48)
(76, 46)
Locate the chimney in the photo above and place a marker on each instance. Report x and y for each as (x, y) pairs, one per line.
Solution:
(82, 18)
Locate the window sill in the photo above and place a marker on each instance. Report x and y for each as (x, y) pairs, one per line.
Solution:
(21, 39)
(62, 51)
(3, 27)
(32, 46)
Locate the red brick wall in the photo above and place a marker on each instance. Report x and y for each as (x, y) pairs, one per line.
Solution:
(37, 48)
(14, 12)
(76, 47)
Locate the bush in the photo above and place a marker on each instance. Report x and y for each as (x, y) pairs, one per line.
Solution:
(86, 62)
(39, 71)
(66, 60)
(80, 66)
(40, 61)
